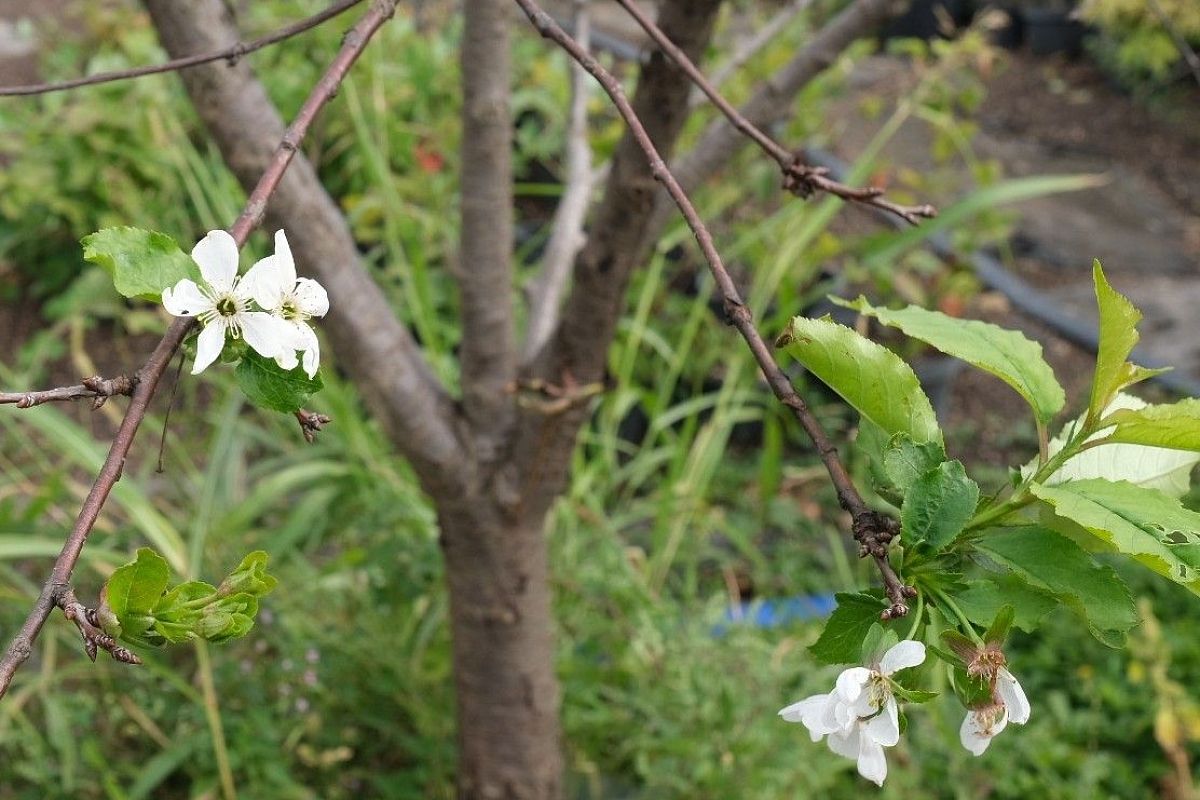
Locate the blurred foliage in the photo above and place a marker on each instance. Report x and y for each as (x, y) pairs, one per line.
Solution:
(689, 486)
(1135, 43)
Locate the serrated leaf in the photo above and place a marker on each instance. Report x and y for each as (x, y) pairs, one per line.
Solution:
(982, 600)
(1006, 354)
(270, 386)
(1145, 524)
(905, 461)
(135, 588)
(847, 628)
(1053, 563)
(141, 263)
(1158, 468)
(1118, 337)
(868, 376)
(937, 506)
(1175, 426)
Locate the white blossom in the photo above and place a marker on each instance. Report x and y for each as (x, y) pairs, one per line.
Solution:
(860, 716)
(984, 723)
(222, 304)
(293, 300)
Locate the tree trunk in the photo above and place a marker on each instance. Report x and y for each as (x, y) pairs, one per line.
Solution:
(507, 693)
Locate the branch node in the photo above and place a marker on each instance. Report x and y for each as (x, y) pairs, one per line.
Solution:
(311, 423)
(94, 639)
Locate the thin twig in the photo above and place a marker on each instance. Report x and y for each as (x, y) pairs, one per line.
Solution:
(799, 178)
(230, 54)
(872, 530)
(95, 388)
(1185, 50)
(545, 291)
(53, 591)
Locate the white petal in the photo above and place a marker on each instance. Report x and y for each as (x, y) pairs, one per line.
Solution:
(267, 283)
(269, 335)
(311, 297)
(312, 354)
(884, 728)
(851, 682)
(217, 256)
(845, 743)
(287, 360)
(209, 345)
(811, 713)
(1013, 696)
(185, 299)
(902, 655)
(283, 257)
(872, 764)
(972, 736)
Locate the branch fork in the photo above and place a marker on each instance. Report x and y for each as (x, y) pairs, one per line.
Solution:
(874, 533)
(311, 423)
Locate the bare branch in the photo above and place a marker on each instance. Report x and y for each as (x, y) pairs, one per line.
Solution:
(799, 178)
(872, 530)
(372, 344)
(230, 54)
(545, 291)
(95, 388)
(58, 584)
(488, 351)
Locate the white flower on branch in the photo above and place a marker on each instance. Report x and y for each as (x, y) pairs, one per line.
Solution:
(293, 300)
(222, 304)
(983, 723)
(860, 716)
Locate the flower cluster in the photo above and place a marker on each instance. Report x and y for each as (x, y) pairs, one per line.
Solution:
(278, 328)
(860, 716)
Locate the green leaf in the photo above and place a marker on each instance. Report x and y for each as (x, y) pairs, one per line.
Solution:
(912, 695)
(847, 628)
(868, 376)
(937, 506)
(250, 576)
(1175, 426)
(982, 601)
(1006, 354)
(141, 263)
(135, 588)
(1118, 337)
(270, 386)
(1053, 563)
(1159, 468)
(876, 643)
(171, 606)
(905, 461)
(1145, 524)
(997, 632)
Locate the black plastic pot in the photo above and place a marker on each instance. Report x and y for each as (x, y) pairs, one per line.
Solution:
(1049, 32)
(922, 19)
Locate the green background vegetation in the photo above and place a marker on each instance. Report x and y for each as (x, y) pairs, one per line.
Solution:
(344, 687)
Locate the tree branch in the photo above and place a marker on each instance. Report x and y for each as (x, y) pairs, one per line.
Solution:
(371, 343)
(58, 584)
(485, 271)
(545, 291)
(95, 388)
(230, 54)
(799, 178)
(872, 530)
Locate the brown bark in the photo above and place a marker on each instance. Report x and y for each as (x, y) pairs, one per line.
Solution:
(485, 273)
(507, 692)
(617, 244)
